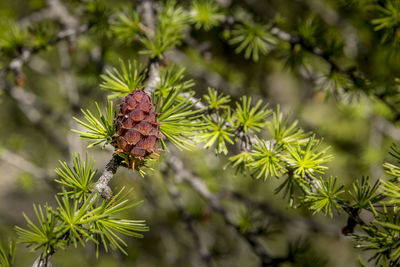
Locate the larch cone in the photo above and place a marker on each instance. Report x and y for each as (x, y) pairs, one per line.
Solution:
(138, 130)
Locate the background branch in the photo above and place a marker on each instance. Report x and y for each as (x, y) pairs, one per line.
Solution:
(200, 187)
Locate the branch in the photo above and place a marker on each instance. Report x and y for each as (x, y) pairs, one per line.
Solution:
(154, 65)
(35, 110)
(153, 76)
(32, 107)
(108, 173)
(43, 261)
(36, 107)
(68, 83)
(61, 12)
(353, 213)
(250, 140)
(205, 254)
(353, 73)
(112, 166)
(105, 192)
(54, 10)
(148, 15)
(276, 214)
(200, 187)
(23, 164)
(17, 63)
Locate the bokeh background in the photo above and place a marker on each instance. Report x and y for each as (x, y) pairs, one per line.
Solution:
(35, 123)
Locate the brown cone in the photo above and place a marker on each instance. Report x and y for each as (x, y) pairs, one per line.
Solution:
(138, 131)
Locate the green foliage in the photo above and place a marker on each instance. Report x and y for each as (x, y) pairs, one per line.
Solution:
(392, 191)
(364, 194)
(285, 134)
(381, 235)
(107, 227)
(293, 56)
(97, 14)
(81, 216)
(309, 29)
(288, 187)
(382, 239)
(74, 218)
(157, 46)
(245, 221)
(251, 38)
(173, 77)
(326, 196)
(7, 256)
(75, 222)
(172, 18)
(334, 46)
(250, 118)
(216, 100)
(216, 131)
(46, 234)
(307, 158)
(126, 26)
(390, 168)
(390, 15)
(205, 14)
(101, 127)
(122, 82)
(178, 119)
(43, 33)
(79, 178)
(336, 83)
(266, 160)
(300, 253)
(12, 38)
(314, 32)
(289, 152)
(388, 22)
(241, 161)
(393, 229)
(172, 21)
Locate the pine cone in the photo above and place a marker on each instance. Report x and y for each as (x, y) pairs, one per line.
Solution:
(138, 131)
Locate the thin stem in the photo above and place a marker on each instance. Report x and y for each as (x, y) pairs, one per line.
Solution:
(108, 173)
